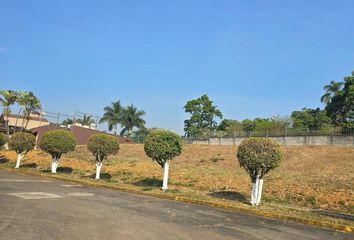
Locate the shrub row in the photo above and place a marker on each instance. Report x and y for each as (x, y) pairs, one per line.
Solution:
(256, 155)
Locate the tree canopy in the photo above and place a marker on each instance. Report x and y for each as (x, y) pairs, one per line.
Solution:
(340, 108)
(203, 115)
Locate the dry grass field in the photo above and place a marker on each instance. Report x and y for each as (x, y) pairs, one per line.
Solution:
(316, 177)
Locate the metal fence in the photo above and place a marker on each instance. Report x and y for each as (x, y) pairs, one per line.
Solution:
(275, 133)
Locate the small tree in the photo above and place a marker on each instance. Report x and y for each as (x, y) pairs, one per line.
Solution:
(56, 143)
(21, 143)
(101, 146)
(162, 146)
(3, 139)
(258, 156)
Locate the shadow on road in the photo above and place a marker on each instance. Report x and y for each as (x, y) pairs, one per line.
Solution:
(229, 195)
(149, 182)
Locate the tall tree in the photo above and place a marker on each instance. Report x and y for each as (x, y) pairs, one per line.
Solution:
(330, 90)
(131, 117)
(341, 106)
(86, 120)
(203, 114)
(310, 119)
(29, 104)
(7, 99)
(113, 115)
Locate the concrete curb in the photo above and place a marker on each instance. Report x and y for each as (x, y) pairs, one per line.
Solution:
(255, 211)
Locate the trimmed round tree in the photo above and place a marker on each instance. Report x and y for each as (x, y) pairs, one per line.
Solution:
(57, 142)
(162, 146)
(258, 156)
(3, 139)
(101, 146)
(21, 143)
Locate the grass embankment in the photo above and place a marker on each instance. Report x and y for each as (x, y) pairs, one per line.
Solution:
(313, 184)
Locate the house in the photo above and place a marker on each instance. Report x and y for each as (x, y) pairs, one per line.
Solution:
(17, 122)
(82, 134)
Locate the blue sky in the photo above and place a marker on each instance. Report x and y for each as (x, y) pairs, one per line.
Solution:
(253, 58)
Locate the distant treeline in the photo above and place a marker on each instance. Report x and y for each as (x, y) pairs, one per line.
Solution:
(336, 117)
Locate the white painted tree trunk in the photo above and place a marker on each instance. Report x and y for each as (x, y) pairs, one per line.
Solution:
(6, 146)
(259, 191)
(19, 158)
(98, 169)
(165, 175)
(55, 164)
(254, 192)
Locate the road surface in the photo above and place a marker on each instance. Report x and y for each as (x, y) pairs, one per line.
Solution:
(37, 208)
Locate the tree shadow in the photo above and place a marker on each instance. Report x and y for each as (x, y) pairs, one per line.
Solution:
(66, 170)
(29, 165)
(148, 182)
(3, 159)
(332, 214)
(229, 195)
(103, 175)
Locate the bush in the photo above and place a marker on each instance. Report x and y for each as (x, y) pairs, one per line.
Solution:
(102, 145)
(57, 142)
(22, 142)
(3, 139)
(259, 155)
(162, 145)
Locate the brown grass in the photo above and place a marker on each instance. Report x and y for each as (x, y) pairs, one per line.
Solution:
(316, 177)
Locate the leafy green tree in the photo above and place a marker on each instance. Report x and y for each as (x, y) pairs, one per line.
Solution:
(248, 126)
(341, 106)
(139, 135)
(310, 119)
(3, 139)
(225, 124)
(29, 104)
(258, 156)
(132, 117)
(56, 143)
(21, 143)
(7, 99)
(113, 115)
(86, 120)
(203, 114)
(330, 90)
(162, 146)
(101, 146)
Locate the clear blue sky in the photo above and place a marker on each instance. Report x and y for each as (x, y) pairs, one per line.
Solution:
(253, 58)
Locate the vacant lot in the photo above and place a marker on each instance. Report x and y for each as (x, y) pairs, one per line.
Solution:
(317, 177)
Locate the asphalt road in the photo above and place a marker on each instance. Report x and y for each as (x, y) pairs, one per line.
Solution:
(37, 208)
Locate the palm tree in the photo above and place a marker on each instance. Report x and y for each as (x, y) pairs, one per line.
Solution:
(67, 122)
(7, 98)
(29, 104)
(86, 120)
(132, 118)
(113, 115)
(330, 90)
